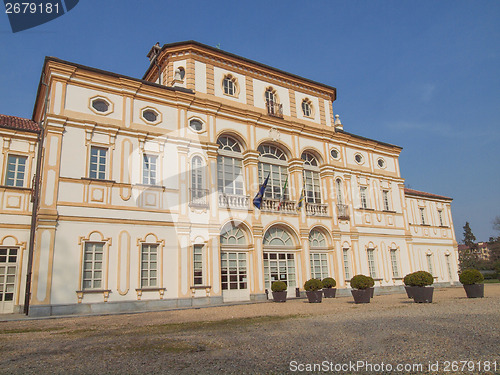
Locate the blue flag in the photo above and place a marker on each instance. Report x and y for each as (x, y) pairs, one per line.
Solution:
(257, 201)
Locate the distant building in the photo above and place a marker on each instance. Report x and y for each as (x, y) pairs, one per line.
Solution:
(147, 189)
(482, 250)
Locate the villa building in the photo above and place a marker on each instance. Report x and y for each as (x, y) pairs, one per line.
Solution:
(147, 188)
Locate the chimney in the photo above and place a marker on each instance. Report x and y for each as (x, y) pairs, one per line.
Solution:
(153, 52)
(337, 124)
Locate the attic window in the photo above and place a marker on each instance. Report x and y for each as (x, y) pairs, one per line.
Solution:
(100, 105)
(150, 115)
(381, 163)
(196, 125)
(358, 158)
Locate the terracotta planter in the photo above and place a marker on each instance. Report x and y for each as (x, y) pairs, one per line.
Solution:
(314, 296)
(409, 291)
(329, 292)
(279, 296)
(361, 295)
(474, 290)
(422, 294)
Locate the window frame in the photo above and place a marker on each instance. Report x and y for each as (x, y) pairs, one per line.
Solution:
(149, 269)
(229, 160)
(363, 197)
(198, 264)
(93, 269)
(277, 168)
(422, 215)
(229, 78)
(323, 262)
(16, 171)
(307, 106)
(372, 266)
(394, 263)
(311, 178)
(98, 164)
(386, 200)
(430, 266)
(346, 263)
(146, 173)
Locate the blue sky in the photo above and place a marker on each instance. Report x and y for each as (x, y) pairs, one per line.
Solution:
(420, 74)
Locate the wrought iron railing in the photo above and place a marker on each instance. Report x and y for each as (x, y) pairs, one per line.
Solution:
(274, 109)
(343, 211)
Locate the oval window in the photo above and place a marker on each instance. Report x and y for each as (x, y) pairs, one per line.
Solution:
(196, 125)
(358, 158)
(334, 153)
(150, 115)
(381, 163)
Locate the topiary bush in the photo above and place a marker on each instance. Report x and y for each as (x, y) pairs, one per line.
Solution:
(329, 282)
(420, 278)
(471, 276)
(407, 279)
(371, 281)
(361, 282)
(278, 286)
(312, 285)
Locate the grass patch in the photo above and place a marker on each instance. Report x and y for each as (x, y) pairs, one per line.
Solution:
(170, 346)
(29, 330)
(78, 332)
(219, 324)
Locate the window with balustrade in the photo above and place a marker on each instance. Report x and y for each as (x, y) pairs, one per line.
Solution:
(311, 178)
(229, 166)
(274, 108)
(273, 163)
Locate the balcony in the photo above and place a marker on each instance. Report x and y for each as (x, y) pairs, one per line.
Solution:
(199, 197)
(343, 211)
(233, 201)
(274, 109)
(272, 205)
(316, 209)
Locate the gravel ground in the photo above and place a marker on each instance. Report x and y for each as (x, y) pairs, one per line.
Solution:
(266, 338)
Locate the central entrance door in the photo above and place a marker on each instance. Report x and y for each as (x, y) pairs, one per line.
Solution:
(234, 276)
(280, 267)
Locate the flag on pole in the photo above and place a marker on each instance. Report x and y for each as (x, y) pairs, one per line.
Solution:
(282, 199)
(257, 201)
(301, 199)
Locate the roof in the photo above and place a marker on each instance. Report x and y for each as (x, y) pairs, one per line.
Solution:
(217, 50)
(18, 123)
(366, 139)
(424, 194)
(104, 72)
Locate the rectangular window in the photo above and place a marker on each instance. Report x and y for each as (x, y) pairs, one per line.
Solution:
(394, 263)
(233, 271)
(92, 265)
(149, 265)
(8, 272)
(371, 263)
(441, 220)
(198, 264)
(16, 168)
(385, 195)
(422, 215)
(312, 187)
(98, 163)
(319, 266)
(362, 194)
(149, 169)
(429, 264)
(347, 271)
(229, 175)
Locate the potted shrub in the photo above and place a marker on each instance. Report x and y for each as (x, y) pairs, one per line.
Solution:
(329, 285)
(472, 280)
(313, 290)
(408, 287)
(361, 285)
(279, 291)
(420, 282)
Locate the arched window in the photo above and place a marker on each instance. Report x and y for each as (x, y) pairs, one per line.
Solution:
(317, 239)
(233, 236)
(272, 104)
(198, 191)
(229, 85)
(340, 195)
(229, 166)
(273, 163)
(279, 259)
(307, 107)
(311, 178)
(277, 237)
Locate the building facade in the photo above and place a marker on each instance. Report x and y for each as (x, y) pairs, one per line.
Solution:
(147, 189)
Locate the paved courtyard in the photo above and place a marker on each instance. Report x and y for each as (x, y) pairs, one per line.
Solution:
(390, 335)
